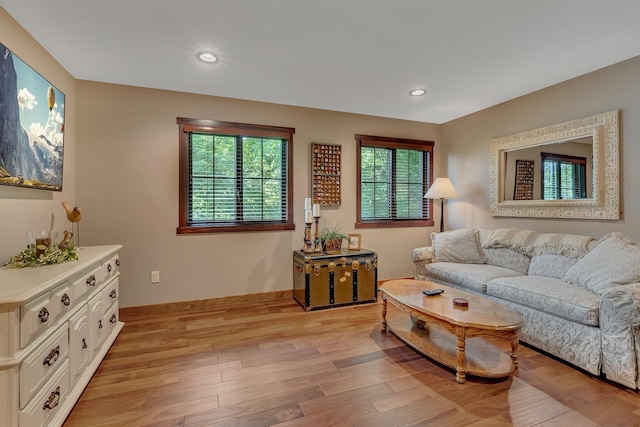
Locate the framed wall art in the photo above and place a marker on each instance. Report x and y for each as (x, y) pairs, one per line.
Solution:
(31, 126)
(325, 169)
(354, 242)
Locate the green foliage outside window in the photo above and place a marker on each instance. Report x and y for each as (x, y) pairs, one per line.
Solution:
(563, 177)
(234, 177)
(391, 183)
(394, 175)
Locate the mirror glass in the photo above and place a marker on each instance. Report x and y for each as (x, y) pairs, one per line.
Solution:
(566, 170)
(559, 170)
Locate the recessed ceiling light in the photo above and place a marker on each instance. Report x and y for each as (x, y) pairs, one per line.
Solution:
(207, 57)
(418, 92)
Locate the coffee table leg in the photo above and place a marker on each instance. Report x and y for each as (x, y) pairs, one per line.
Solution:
(514, 352)
(460, 335)
(383, 306)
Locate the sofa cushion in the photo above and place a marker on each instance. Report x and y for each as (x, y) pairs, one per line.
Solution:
(470, 276)
(507, 258)
(552, 296)
(614, 261)
(457, 246)
(550, 265)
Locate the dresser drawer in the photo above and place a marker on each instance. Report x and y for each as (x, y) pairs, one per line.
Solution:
(38, 367)
(110, 319)
(110, 267)
(87, 282)
(63, 297)
(111, 293)
(48, 400)
(36, 316)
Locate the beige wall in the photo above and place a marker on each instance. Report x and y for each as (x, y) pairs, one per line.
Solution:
(23, 209)
(126, 167)
(128, 190)
(467, 139)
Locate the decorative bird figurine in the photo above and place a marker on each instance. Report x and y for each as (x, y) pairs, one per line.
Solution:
(74, 214)
(66, 240)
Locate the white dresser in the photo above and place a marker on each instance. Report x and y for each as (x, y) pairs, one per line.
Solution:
(57, 323)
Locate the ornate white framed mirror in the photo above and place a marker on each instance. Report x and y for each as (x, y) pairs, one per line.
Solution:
(565, 170)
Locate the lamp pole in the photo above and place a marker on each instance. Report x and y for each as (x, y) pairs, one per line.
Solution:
(441, 214)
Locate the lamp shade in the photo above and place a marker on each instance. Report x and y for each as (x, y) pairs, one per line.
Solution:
(442, 188)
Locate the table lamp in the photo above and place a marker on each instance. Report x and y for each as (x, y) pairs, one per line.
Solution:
(442, 188)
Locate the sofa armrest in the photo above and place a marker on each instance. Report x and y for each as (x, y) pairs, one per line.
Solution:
(421, 257)
(423, 254)
(620, 326)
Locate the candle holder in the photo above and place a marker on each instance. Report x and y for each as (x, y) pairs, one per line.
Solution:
(317, 246)
(308, 247)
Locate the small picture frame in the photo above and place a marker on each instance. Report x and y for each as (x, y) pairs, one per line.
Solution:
(354, 242)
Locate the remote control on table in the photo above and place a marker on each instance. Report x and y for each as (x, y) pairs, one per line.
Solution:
(432, 292)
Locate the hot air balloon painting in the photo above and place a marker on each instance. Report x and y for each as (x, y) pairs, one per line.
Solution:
(32, 130)
(51, 97)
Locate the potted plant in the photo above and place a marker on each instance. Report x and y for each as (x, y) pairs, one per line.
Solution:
(331, 238)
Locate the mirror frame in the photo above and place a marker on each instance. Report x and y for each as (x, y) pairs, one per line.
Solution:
(605, 203)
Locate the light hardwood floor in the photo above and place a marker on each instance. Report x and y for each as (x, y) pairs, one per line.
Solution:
(271, 363)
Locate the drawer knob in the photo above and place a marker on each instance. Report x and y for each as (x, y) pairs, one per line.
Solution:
(43, 315)
(113, 318)
(66, 300)
(113, 294)
(117, 262)
(53, 400)
(109, 267)
(91, 281)
(100, 324)
(84, 343)
(52, 357)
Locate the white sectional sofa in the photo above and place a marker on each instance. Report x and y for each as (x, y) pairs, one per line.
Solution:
(580, 297)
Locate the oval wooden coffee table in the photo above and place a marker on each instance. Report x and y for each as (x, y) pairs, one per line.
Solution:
(448, 334)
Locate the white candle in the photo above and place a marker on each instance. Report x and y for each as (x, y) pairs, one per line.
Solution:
(307, 203)
(316, 210)
(307, 216)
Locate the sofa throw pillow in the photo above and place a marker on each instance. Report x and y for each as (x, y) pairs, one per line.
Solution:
(458, 246)
(615, 260)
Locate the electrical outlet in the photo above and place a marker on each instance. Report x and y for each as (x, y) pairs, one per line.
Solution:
(155, 277)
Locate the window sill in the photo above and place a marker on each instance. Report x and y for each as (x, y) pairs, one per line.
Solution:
(233, 228)
(395, 224)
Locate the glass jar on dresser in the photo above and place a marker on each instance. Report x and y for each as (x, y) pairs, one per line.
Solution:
(57, 323)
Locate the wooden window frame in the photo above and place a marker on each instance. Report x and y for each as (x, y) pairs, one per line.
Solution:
(393, 143)
(186, 126)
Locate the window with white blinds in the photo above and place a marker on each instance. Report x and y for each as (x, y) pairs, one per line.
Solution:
(394, 175)
(234, 177)
(563, 177)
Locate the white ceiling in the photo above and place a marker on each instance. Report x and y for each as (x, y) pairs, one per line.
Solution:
(359, 56)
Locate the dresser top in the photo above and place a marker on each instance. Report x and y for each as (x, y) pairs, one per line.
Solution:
(18, 285)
